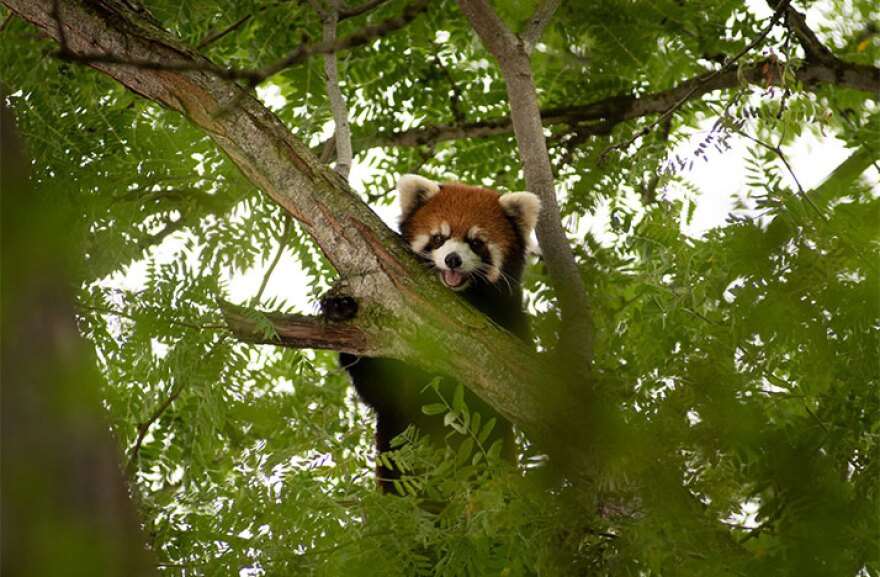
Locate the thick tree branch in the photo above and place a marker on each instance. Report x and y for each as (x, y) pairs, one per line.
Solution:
(576, 342)
(606, 113)
(813, 47)
(404, 312)
(295, 331)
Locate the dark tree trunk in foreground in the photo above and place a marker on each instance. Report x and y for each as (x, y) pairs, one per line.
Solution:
(66, 503)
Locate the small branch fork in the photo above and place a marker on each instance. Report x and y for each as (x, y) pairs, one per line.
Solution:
(537, 23)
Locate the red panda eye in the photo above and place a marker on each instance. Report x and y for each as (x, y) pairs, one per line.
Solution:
(437, 240)
(476, 243)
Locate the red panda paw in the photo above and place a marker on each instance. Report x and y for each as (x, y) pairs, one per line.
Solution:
(338, 308)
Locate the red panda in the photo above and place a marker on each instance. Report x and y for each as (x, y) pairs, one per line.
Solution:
(477, 242)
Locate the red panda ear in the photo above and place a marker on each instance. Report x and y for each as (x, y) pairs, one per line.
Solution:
(522, 208)
(414, 192)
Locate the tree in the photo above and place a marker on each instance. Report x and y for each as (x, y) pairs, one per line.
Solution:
(709, 406)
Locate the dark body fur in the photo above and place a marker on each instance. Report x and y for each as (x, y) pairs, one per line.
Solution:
(397, 391)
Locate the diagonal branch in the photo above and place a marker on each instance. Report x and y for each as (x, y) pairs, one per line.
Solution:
(282, 243)
(352, 11)
(145, 426)
(600, 117)
(217, 36)
(404, 313)
(813, 47)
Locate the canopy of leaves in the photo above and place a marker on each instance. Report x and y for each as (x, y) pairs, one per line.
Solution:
(745, 361)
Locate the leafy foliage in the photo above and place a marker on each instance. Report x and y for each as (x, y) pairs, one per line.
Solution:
(745, 361)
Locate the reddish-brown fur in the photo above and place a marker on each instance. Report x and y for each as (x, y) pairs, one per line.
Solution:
(464, 207)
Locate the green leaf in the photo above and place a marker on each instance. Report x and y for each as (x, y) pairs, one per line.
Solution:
(458, 399)
(464, 451)
(433, 409)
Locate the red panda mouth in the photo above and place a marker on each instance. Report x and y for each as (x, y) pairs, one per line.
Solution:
(452, 278)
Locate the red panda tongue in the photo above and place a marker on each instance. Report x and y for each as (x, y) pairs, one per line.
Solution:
(452, 278)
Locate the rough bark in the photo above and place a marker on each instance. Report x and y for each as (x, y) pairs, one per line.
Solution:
(295, 331)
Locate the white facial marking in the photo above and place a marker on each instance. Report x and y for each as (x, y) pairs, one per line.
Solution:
(469, 261)
(474, 232)
(494, 272)
(419, 243)
(444, 229)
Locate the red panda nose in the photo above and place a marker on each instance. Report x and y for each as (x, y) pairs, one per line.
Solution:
(452, 260)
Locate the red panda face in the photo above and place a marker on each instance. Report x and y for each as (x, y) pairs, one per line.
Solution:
(469, 234)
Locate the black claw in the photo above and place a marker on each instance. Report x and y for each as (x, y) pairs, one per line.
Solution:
(338, 308)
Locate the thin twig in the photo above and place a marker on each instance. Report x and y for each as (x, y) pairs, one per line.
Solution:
(364, 36)
(626, 144)
(350, 12)
(455, 96)
(145, 426)
(253, 76)
(282, 242)
(171, 226)
(777, 150)
(338, 108)
(649, 191)
(536, 24)
(212, 38)
(7, 20)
